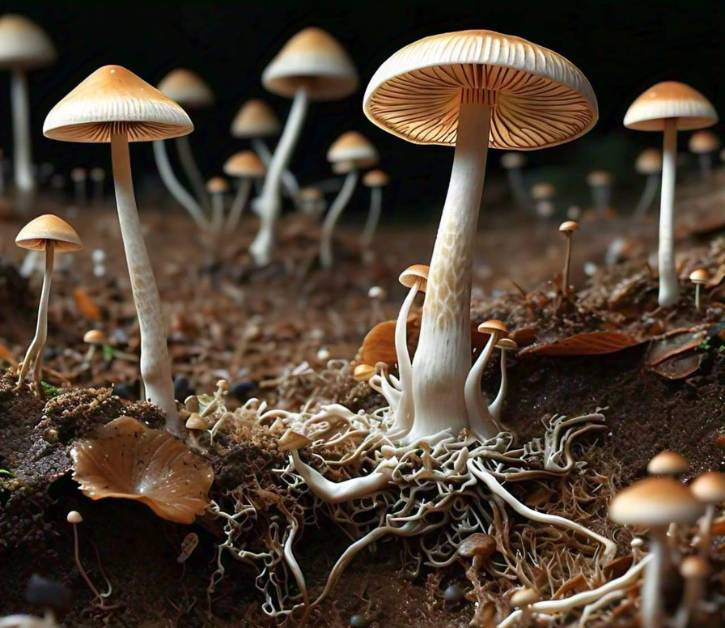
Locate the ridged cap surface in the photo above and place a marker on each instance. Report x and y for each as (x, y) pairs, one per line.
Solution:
(670, 99)
(352, 150)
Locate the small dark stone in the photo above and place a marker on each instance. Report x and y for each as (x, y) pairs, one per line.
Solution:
(125, 391)
(242, 390)
(47, 593)
(359, 621)
(182, 388)
(453, 593)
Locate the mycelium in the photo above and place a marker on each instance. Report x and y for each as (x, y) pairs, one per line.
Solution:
(704, 144)
(312, 66)
(23, 46)
(648, 163)
(114, 105)
(669, 107)
(349, 154)
(52, 235)
(375, 180)
(246, 167)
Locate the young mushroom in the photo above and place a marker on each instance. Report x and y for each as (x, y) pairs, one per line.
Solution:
(52, 235)
(376, 180)
(708, 488)
(699, 277)
(217, 188)
(114, 105)
(75, 519)
(349, 154)
(669, 107)
(512, 162)
(23, 46)
(471, 90)
(567, 229)
(311, 66)
(312, 201)
(246, 167)
(600, 184)
(523, 599)
(649, 163)
(704, 144)
(94, 338)
(694, 571)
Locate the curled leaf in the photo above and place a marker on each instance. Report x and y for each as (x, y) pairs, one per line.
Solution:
(585, 343)
(679, 366)
(675, 342)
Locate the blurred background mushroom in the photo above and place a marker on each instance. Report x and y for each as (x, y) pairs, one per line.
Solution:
(649, 163)
(246, 167)
(704, 145)
(375, 180)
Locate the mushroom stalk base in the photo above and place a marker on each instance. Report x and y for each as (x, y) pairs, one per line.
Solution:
(270, 202)
(443, 357)
(669, 287)
(22, 157)
(328, 226)
(371, 224)
(155, 361)
(188, 163)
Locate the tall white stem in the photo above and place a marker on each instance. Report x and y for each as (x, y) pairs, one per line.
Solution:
(289, 181)
(328, 226)
(22, 150)
(404, 412)
(188, 163)
(240, 201)
(155, 361)
(371, 224)
(443, 357)
(173, 185)
(479, 416)
(652, 613)
(496, 406)
(648, 195)
(270, 202)
(669, 287)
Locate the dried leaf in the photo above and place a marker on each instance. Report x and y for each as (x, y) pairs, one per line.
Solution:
(577, 583)
(524, 336)
(618, 566)
(86, 305)
(679, 366)
(675, 342)
(586, 343)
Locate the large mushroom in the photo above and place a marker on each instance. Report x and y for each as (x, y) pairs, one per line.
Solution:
(349, 154)
(311, 66)
(114, 105)
(376, 180)
(23, 46)
(247, 167)
(669, 107)
(470, 89)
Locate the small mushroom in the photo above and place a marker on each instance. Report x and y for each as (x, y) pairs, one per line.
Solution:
(648, 163)
(708, 488)
(479, 547)
(523, 599)
(95, 338)
(694, 571)
(699, 277)
(292, 441)
(667, 463)
(312, 201)
(363, 372)
(543, 194)
(217, 188)
(600, 183)
(376, 180)
(512, 162)
(567, 229)
(704, 144)
(246, 167)
(75, 519)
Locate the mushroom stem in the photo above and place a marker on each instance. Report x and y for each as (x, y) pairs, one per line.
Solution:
(238, 204)
(565, 287)
(270, 201)
(479, 416)
(289, 181)
(697, 297)
(648, 195)
(496, 406)
(188, 163)
(404, 412)
(328, 226)
(652, 613)
(443, 357)
(371, 224)
(24, 181)
(705, 524)
(669, 287)
(174, 186)
(518, 187)
(217, 213)
(155, 361)
(705, 160)
(34, 354)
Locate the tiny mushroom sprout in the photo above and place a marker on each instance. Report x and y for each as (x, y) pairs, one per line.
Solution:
(114, 105)
(567, 229)
(311, 66)
(656, 503)
(709, 488)
(376, 180)
(669, 107)
(363, 372)
(246, 167)
(694, 571)
(667, 463)
(704, 144)
(349, 154)
(699, 277)
(312, 201)
(479, 547)
(600, 183)
(512, 162)
(648, 163)
(95, 338)
(188, 90)
(23, 46)
(470, 90)
(52, 235)
(217, 188)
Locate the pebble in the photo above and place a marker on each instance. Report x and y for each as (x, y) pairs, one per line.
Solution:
(359, 621)
(182, 388)
(453, 593)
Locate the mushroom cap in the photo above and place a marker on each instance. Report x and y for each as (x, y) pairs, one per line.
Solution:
(569, 226)
(655, 501)
(74, 517)
(507, 344)
(255, 118)
(128, 460)
(217, 185)
(649, 161)
(709, 487)
(538, 98)
(48, 227)
(493, 326)
(23, 44)
(699, 275)
(292, 440)
(186, 88)
(352, 151)
(376, 179)
(524, 597)
(415, 273)
(694, 567)
(310, 193)
(670, 99)
(115, 99)
(245, 163)
(542, 191)
(78, 174)
(703, 142)
(95, 337)
(512, 159)
(315, 61)
(363, 372)
(667, 463)
(599, 178)
(477, 544)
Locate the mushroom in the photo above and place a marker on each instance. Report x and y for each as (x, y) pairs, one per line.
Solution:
(496, 407)
(667, 463)
(704, 144)
(523, 599)
(52, 235)
(377, 295)
(311, 66)
(95, 338)
(79, 176)
(649, 163)
(217, 188)
(695, 571)
(543, 194)
(512, 163)
(350, 153)
(23, 46)
(98, 177)
(655, 503)
(114, 105)
(75, 519)
(469, 89)
(312, 201)
(567, 229)
(709, 488)
(669, 107)
(246, 167)
(600, 183)
(376, 180)
(699, 277)
(479, 547)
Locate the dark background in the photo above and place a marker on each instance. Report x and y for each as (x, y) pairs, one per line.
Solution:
(622, 46)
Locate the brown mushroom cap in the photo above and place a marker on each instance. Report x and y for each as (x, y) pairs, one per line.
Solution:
(23, 44)
(709, 487)
(649, 161)
(694, 567)
(95, 337)
(48, 227)
(376, 179)
(363, 372)
(477, 544)
(493, 326)
(699, 275)
(524, 597)
(703, 142)
(351, 151)
(655, 501)
(507, 344)
(568, 226)
(417, 273)
(217, 185)
(255, 118)
(667, 463)
(599, 178)
(670, 99)
(186, 88)
(245, 163)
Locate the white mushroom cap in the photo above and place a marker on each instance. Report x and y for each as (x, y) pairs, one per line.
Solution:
(694, 567)
(538, 97)
(255, 118)
(667, 463)
(186, 88)
(74, 517)
(649, 161)
(709, 487)
(670, 99)
(49, 228)
(525, 597)
(352, 151)
(655, 501)
(699, 276)
(23, 44)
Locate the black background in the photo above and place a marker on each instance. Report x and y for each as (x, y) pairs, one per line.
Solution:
(622, 46)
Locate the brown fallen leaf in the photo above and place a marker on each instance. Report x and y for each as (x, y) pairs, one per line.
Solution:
(585, 343)
(7, 356)
(673, 343)
(679, 366)
(577, 583)
(618, 566)
(86, 305)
